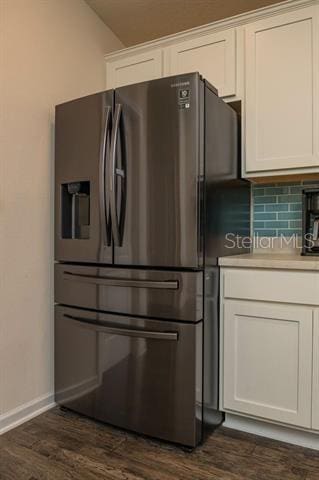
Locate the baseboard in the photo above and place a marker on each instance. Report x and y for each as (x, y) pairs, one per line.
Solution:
(25, 412)
(269, 430)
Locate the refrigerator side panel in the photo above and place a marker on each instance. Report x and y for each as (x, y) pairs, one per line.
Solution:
(158, 148)
(226, 219)
(82, 134)
(227, 197)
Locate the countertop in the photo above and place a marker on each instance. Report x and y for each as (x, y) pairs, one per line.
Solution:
(283, 261)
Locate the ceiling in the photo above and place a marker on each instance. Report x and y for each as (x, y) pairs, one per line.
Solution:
(138, 21)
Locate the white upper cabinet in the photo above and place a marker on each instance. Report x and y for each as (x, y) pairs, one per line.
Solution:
(212, 55)
(268, 59)
(267, 357)
(281, 74)
(134, 68)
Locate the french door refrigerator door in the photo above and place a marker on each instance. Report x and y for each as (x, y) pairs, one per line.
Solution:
(140, 374)
(156, 166)
(82, 139)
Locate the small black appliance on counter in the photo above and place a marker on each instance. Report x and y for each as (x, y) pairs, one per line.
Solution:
(310, 221)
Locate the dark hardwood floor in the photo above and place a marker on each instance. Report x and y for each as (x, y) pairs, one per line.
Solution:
(61, 445)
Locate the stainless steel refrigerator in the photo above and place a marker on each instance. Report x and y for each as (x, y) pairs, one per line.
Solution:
(147, 185)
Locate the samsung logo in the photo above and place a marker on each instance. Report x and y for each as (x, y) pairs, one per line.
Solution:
(180, 84)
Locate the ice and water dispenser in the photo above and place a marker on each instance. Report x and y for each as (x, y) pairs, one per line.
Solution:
(75, 199)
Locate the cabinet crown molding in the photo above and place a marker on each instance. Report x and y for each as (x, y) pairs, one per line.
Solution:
(223, 24)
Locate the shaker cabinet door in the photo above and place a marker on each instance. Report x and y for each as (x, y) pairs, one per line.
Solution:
(212, 55)
(268, 361)
(281, 114)
(134, 69)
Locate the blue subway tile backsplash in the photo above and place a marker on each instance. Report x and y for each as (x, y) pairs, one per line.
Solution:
(277, 208)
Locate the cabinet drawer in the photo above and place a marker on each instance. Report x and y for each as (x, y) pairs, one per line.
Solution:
(272, 285)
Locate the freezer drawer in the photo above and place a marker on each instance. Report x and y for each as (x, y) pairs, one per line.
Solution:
(159, 294)
(138, 374)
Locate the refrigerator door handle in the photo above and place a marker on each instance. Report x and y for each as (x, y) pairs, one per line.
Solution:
(120, 282)
(127, 332)
(106, 239)
(113, 174)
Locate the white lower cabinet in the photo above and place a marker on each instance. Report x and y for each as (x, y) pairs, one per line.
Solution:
(267, 361)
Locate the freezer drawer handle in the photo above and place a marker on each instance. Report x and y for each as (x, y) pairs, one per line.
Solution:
(119, 282)
(127, 332)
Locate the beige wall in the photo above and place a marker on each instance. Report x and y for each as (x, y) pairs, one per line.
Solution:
(50, 51)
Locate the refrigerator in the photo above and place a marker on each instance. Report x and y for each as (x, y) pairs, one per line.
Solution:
(147, 191)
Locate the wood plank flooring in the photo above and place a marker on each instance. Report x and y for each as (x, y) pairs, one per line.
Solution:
(61, 445)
